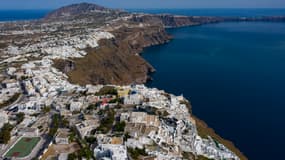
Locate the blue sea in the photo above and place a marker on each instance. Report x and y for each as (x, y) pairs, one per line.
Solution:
(233, 73)
(215, 12)
(13, 15)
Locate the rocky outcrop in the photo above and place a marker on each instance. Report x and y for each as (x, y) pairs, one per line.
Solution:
(64, 65)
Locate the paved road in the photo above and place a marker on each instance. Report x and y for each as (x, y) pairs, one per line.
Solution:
(46, 141)
(20, 98)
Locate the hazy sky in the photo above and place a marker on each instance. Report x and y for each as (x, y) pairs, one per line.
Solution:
(51, 4)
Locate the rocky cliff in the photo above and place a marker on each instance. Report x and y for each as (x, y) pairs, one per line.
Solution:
(116, 61)
(169, 21)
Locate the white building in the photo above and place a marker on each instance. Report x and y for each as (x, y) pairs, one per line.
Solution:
(10, 83)
(133, 143)
(75, 106)
(91, 89)
(11, 70)
(62, 137)
(29, 88)
(3, 118)
(144, 118)
(63, 156)
(31, 132)
(85, 128)
(6, 94)
(28, 120)
(30, 107)
(111, 151)
(133, 99)
(124, 116)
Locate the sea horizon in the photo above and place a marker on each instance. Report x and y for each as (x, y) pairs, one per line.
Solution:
(34, 14)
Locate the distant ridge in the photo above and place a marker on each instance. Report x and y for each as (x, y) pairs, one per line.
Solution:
(76, 9)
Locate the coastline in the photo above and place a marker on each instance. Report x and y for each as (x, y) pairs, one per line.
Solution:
(204, 130)
(202, 127)
(164, 38)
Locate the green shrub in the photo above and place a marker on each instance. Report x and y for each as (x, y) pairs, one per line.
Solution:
(5, 133)
(119, 127)
(107, 90)
(135, 153)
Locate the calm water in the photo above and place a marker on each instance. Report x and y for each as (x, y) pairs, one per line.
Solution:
(12, 15)
(234, 75)
(215, 12)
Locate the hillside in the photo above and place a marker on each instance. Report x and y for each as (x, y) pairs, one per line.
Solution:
(75, 9)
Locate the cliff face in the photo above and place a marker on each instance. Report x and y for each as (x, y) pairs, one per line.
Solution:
(169, 21)
(172, 21)
(116, 61)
